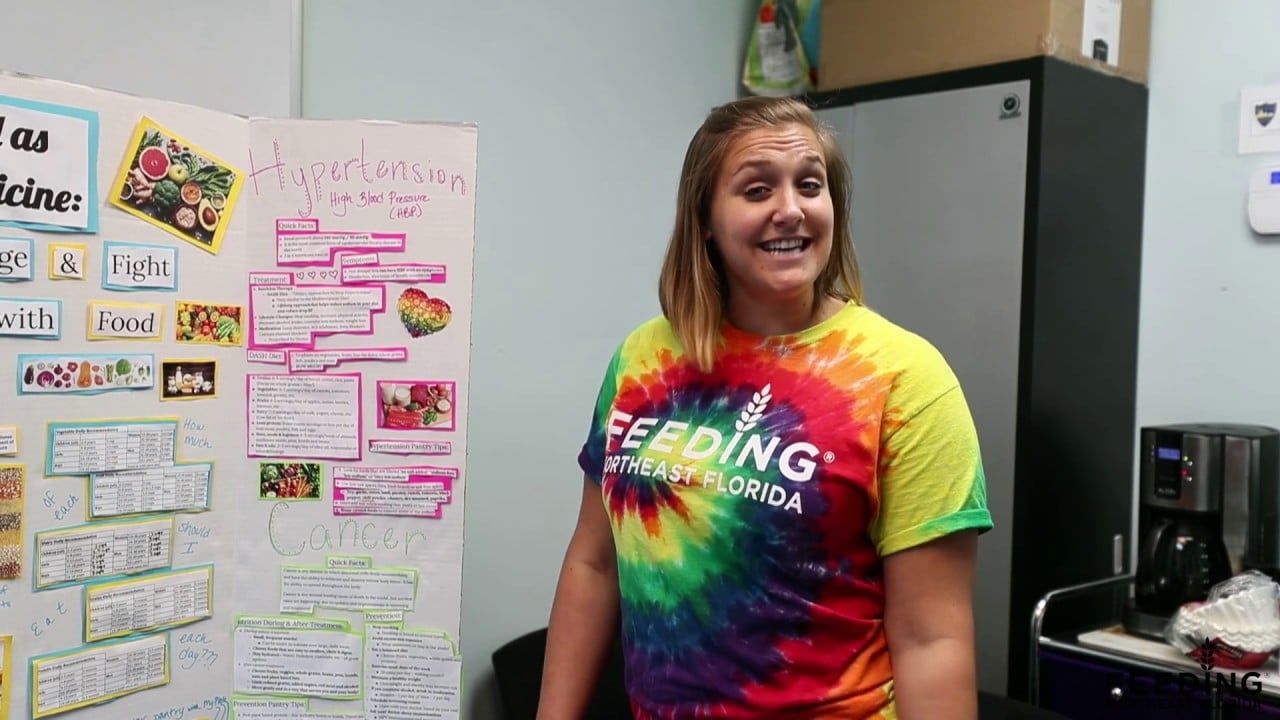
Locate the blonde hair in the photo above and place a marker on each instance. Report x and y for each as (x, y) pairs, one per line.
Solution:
(692, 288)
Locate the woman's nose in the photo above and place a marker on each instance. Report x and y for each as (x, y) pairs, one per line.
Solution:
(788, 211)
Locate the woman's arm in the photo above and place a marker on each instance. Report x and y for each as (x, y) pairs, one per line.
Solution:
(584, 613)
(929, 625)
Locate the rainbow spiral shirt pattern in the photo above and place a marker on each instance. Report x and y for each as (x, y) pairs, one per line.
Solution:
(750, 508)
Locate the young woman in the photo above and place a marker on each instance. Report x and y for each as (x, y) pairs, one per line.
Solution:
(783, 490)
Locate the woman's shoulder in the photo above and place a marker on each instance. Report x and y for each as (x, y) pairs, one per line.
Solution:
(899, 350)
(881, 331)
(654, 333)
(653, 336)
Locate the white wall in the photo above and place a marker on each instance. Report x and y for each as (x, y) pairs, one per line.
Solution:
(584, 111)
(1210, 301)
(237, 56)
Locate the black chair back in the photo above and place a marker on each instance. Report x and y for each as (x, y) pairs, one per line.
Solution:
(517, 666)
(518, 669)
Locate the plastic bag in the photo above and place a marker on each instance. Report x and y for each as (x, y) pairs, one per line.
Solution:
(782, 53)
(1237, 626)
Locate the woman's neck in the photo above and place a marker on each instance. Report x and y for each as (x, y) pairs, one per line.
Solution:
(774, 318)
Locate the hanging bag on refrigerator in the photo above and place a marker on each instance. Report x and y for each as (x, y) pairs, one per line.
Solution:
(782, 50)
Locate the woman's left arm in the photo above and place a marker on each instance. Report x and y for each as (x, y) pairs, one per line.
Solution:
(929, 624)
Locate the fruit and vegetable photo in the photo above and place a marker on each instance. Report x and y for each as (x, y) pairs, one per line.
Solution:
(176, 186)
(295, 480)
(422, 314)
(206, 323)
(86, 373)
(416, 404)
(188, 379)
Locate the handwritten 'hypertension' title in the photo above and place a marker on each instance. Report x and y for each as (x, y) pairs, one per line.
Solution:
(46, 156)
(386, 182)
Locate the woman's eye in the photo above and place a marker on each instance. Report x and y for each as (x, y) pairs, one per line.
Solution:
(811, 186)
(757, 191)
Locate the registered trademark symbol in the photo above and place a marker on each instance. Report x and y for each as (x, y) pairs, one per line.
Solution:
(828, 456)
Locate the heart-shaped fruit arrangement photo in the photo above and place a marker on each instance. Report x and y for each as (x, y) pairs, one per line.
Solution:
(422, 314)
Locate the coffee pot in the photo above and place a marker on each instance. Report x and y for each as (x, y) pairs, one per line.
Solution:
(1207, 509)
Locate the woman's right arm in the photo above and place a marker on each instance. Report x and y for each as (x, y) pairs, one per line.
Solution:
(584, 613)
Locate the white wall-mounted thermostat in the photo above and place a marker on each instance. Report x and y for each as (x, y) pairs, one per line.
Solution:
(1264, 200)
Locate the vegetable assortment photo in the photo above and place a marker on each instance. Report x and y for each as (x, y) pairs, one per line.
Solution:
(296, 480)
(177, 186)
(85, 373)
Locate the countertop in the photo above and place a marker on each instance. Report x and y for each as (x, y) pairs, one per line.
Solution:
(1116, 641)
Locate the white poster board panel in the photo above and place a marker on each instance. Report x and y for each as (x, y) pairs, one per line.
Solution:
(233, 418)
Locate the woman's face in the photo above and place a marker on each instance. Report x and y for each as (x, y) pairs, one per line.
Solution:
(771, 215)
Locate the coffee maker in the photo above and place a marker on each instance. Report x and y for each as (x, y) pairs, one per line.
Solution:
(1208, 509)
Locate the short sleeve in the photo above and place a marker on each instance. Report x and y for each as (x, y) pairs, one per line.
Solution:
(591, 456)
(931, 480)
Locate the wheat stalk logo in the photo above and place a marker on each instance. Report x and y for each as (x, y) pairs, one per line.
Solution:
(1205, 654)
(755, 409)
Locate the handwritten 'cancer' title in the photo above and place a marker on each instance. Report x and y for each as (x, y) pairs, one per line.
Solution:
(28, 192)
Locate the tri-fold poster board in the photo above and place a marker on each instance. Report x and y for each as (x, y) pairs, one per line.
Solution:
(233, 410)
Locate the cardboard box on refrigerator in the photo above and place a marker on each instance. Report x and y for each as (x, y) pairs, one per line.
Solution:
(870, 41)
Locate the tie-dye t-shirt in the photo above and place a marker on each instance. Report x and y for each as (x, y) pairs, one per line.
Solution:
(751, 507)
